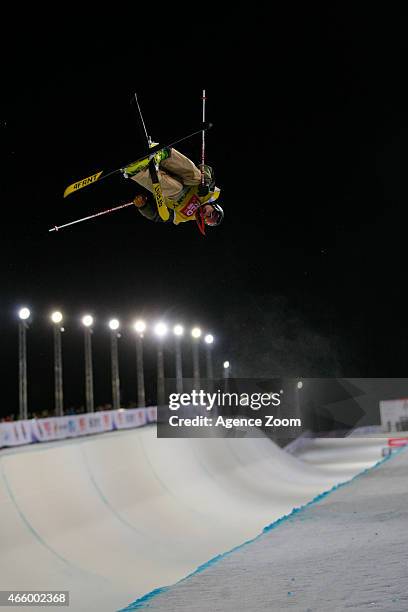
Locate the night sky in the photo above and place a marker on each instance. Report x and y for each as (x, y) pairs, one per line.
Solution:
(306, 276)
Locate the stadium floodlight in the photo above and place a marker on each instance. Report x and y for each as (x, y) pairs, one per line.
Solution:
(160, 329)
(139, 326)
(87, 320)
(178, 330)
(209, 339)
(24, 313)
(56, 317)
(227, 374)
(196, 332)
(299, 386)
(114, 326)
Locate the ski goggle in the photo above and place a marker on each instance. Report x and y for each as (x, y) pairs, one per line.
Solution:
(213, 219)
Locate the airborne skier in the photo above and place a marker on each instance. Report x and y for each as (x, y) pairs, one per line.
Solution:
(182, 191)
(186, 195)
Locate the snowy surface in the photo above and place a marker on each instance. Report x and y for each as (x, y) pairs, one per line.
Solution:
(114, 516)
(345, 551)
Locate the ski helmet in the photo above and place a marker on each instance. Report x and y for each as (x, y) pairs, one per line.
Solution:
(212, 220)
(216, 216)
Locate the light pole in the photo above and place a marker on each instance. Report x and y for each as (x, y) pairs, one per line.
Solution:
(178, 331)
(56, 318)
(299, 386)
(160, 330)
(24, 315)
(140, 327)
(114, 326)
(209, 340)
(196, 335)
(227, 372)
(87, 322)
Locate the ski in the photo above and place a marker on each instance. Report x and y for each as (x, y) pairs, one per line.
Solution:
(99, 176)
(157, 191)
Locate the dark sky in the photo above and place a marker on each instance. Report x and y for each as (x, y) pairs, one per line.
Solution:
(307, 274)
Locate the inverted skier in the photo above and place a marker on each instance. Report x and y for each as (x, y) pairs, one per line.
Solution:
(185, 196)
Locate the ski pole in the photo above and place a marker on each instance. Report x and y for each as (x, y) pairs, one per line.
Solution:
(103, 212)
(203, 143)
(153, 171)
(149, 141)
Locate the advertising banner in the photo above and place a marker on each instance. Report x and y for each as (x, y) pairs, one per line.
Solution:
(15, 433)
(151, 412)
(133, 417)
(59, 428)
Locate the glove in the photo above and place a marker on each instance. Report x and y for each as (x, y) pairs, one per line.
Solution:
(203, 190)
(209, 179)
(140, 200)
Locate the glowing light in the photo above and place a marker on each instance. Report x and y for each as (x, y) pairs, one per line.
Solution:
(299, 384)
(114, 324)
(160, 329)
(209, 339)
(24, 313)
(87, 320)
(226, 364)
(139, 326)
(178, 330)
(56, 317)
(196, 332)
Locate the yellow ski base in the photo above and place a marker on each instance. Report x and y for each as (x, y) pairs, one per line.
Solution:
(80, 184)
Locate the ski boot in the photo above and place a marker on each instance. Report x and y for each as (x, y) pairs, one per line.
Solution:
(140, 165)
